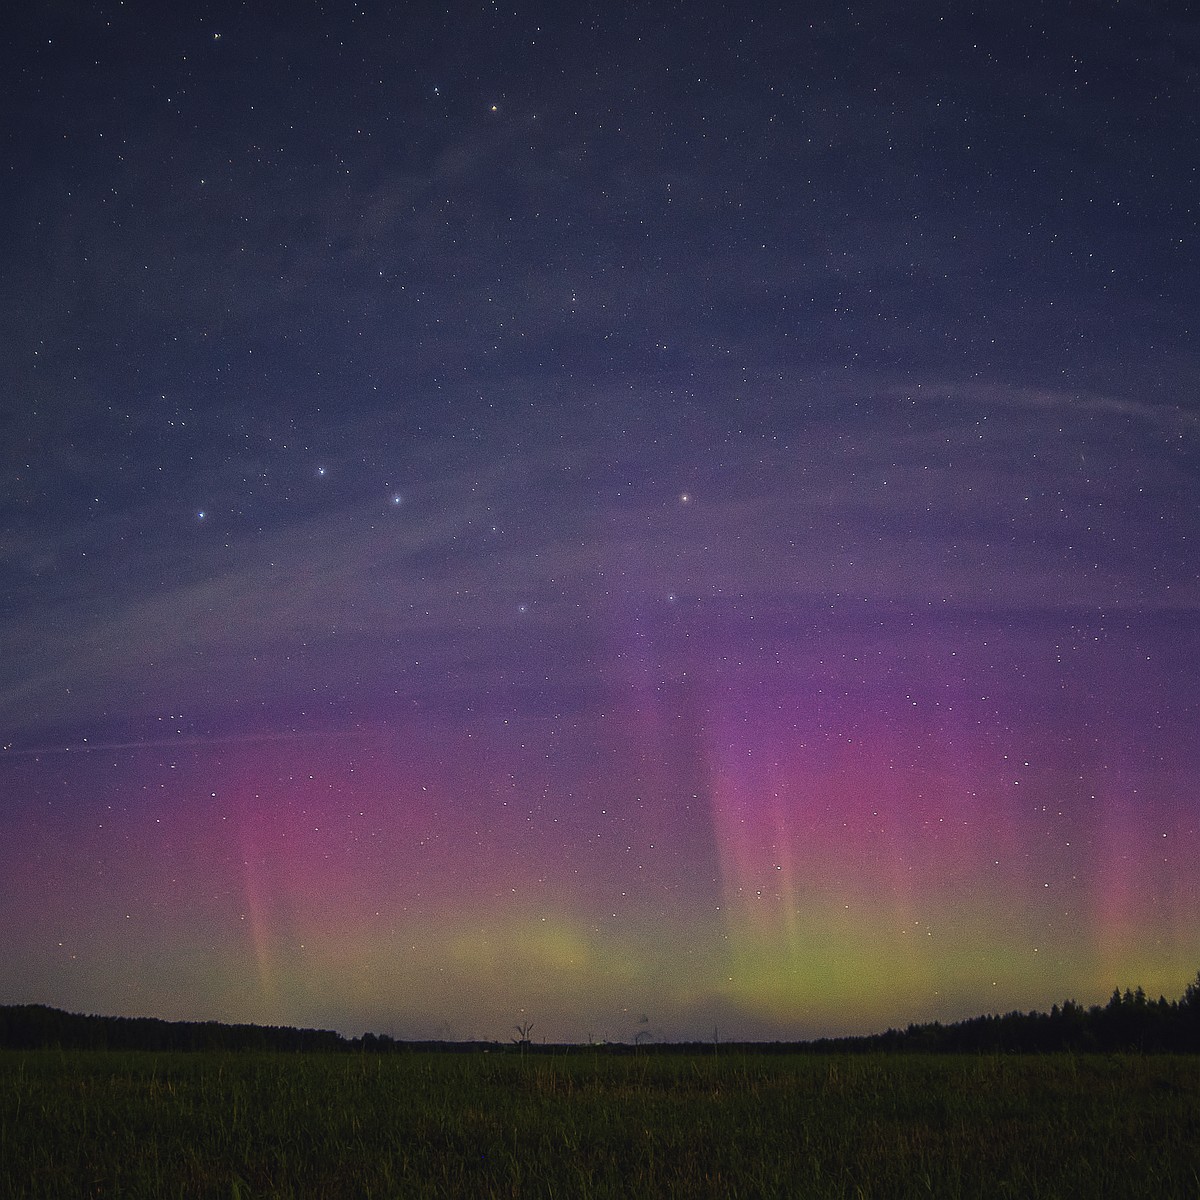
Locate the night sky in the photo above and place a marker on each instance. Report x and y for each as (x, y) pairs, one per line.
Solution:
(634, 517)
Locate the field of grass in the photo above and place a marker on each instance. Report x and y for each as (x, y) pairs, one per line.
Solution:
(138, 1124)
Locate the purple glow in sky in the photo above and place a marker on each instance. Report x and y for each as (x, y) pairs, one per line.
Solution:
(672, 519)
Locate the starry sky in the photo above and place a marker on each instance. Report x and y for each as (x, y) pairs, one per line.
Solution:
(640, 518)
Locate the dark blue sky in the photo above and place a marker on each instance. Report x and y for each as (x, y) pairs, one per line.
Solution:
(656, 425)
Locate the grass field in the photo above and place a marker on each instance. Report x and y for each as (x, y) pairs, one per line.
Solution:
(133, 1125)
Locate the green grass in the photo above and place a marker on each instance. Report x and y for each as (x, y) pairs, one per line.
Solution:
(77, 1124)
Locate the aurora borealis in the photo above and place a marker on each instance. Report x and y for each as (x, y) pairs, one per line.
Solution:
(642, 521)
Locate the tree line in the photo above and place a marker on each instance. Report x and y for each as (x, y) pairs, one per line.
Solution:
(37, 1026)
(1129, 1022)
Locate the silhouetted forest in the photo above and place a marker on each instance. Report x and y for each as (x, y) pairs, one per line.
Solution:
(35, 1026)
(1129, 1022)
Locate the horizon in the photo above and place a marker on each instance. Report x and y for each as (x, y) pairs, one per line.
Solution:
(635, 521)
(525, 1032)
(647, 1038)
